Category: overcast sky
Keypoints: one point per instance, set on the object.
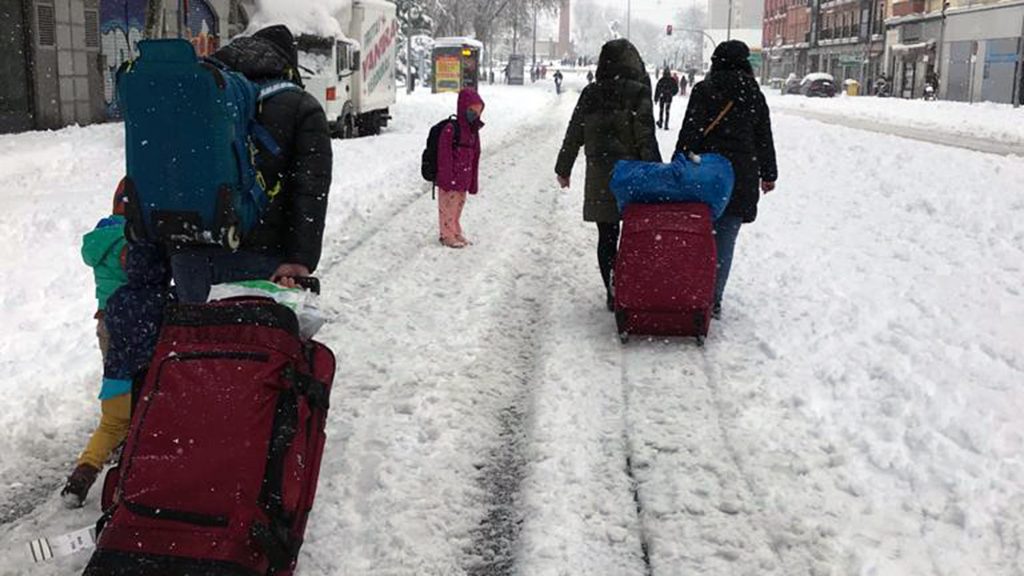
(660, 12)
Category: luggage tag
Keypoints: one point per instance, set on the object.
(45, 549)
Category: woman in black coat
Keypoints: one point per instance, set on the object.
(743, 135)
(613, 121)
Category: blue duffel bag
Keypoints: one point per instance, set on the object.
(709, 181)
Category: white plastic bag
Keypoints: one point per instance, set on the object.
(305, 304)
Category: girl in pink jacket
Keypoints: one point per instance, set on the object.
(458, 164)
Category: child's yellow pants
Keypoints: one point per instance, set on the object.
(113, 428)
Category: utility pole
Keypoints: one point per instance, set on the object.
(534, 33)
(940, 49)
(629, 19)
(867, 37)
(1018, 90)
(728, 30)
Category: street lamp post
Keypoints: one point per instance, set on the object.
(728, 29)
(629, 19)
(534, 33)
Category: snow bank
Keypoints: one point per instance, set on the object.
(1000, 122)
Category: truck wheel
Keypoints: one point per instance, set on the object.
(369, 124)
(345, 128)
(374, 121)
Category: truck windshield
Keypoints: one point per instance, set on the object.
(314, 55)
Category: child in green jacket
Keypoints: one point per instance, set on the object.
(104, 250)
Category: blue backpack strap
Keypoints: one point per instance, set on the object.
(273, 88)
(265, 138)
(258, 131)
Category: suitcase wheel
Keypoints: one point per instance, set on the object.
(624, 337)
(700, 341)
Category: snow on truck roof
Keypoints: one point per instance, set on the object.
(457, 41)
(313, 17)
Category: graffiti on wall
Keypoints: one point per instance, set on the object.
(121, 27)
(201, 27)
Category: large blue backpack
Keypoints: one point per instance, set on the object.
(190, 143)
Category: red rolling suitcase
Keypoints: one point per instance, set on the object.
(220, 467)
(664, 283)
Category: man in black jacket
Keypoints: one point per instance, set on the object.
(743, 135)
(286, 243)
(664, 92)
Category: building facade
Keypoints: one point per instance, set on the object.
(60, 57)
(969, 50)
(786, 37)
(848, 39)
(844, 38)
(913, 37)
(982, 53)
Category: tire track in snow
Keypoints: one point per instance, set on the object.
(697, 508)
(627, 440)
(442, 410)
(723, 415)
(495, 541)
(580, 512)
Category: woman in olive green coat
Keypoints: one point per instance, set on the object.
(613, 120)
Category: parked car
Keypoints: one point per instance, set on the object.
(818, 84)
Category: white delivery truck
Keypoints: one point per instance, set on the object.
(353, 74)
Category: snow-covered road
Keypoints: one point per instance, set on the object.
(856, 411)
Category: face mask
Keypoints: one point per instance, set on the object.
(472, 116)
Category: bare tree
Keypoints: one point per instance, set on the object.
(593, 25)
(692, 21)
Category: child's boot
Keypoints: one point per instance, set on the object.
(78, 484)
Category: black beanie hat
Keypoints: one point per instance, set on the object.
(731, 55)
(281, 38)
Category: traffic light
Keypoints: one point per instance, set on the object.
(668, 30)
